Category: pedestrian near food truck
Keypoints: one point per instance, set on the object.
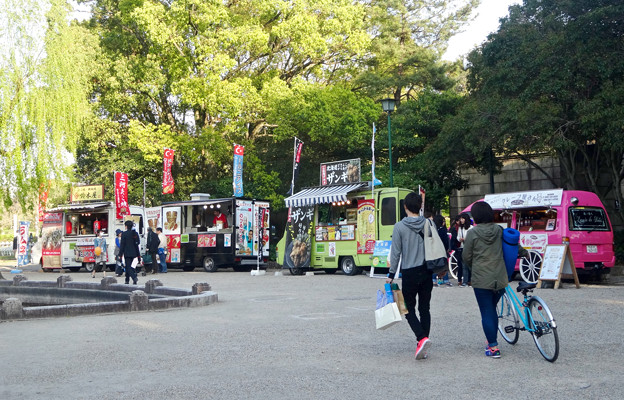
(464, 225)
(118, 263)
(483, 256)
(129, 250)
(101, 254)
(162, 250)
(440, 224)
(152, 248)
(408, 244)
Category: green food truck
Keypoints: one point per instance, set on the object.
(336, 226)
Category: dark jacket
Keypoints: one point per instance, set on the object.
(443, 233)
(129, 246)
(454, 243)
(152, 242)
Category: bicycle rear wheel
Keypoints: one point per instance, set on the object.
(508, 321)
(543, 328)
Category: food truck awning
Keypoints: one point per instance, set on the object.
(82, 206)
(322, 194)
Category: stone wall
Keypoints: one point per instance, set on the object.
(516, 176)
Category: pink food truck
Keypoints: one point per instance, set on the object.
(557, 216)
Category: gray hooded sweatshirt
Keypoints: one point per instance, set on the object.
(407, 242)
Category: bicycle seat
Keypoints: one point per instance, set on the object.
(522, 286)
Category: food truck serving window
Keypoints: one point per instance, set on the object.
(85, 223)
(588, 219)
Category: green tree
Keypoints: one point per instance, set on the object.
(550, 81)
(408, 39)
(199, 76)
(44, 86)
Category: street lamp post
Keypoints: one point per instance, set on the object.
(388, 106)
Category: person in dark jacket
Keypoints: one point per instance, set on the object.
(483, 256)
(408, 245)
(440, 224)
(129, 250)
(152, 248)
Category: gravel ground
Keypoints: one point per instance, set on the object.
(285, 337)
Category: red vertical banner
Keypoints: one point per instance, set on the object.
(168, 184)
(43, 199)
(121, 194)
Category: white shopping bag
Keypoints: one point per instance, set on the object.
(135, 262)
(387, 316)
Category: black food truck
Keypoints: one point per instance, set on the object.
(216, 233)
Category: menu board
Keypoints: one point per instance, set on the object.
(557, 260)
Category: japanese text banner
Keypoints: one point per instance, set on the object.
(168, 183)
(121, 195)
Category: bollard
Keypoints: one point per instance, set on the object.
(12, 308)
(62, 280)
(200, 288)
(139, 301)
(107, 281)
(151, 285)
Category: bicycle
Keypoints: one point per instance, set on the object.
(535, 316)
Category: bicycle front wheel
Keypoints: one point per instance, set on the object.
(543, 328)
(508, 321)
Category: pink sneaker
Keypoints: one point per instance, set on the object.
(421, 349)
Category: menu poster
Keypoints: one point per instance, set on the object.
(298, 250)
(172, 220)
(51, 238)
(208, 240)
(366, 226)
(154, 217)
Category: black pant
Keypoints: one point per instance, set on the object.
(130, 272)
(155, 262)
(460, 264)
(417, 282)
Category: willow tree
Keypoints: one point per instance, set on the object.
(45, 66)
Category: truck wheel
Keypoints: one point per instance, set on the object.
(296, 271)
(347, 265)
(530, 268)
(89, 266)
(210, 265)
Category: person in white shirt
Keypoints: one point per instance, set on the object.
(162, 250)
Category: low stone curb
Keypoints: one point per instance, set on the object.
(85, 298)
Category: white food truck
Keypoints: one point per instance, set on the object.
(68, 233)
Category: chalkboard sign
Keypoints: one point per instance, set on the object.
(588, 219)
(557, 260)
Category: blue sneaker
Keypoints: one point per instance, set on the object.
(493, 352)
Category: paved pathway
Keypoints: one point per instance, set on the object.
(286, 337)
